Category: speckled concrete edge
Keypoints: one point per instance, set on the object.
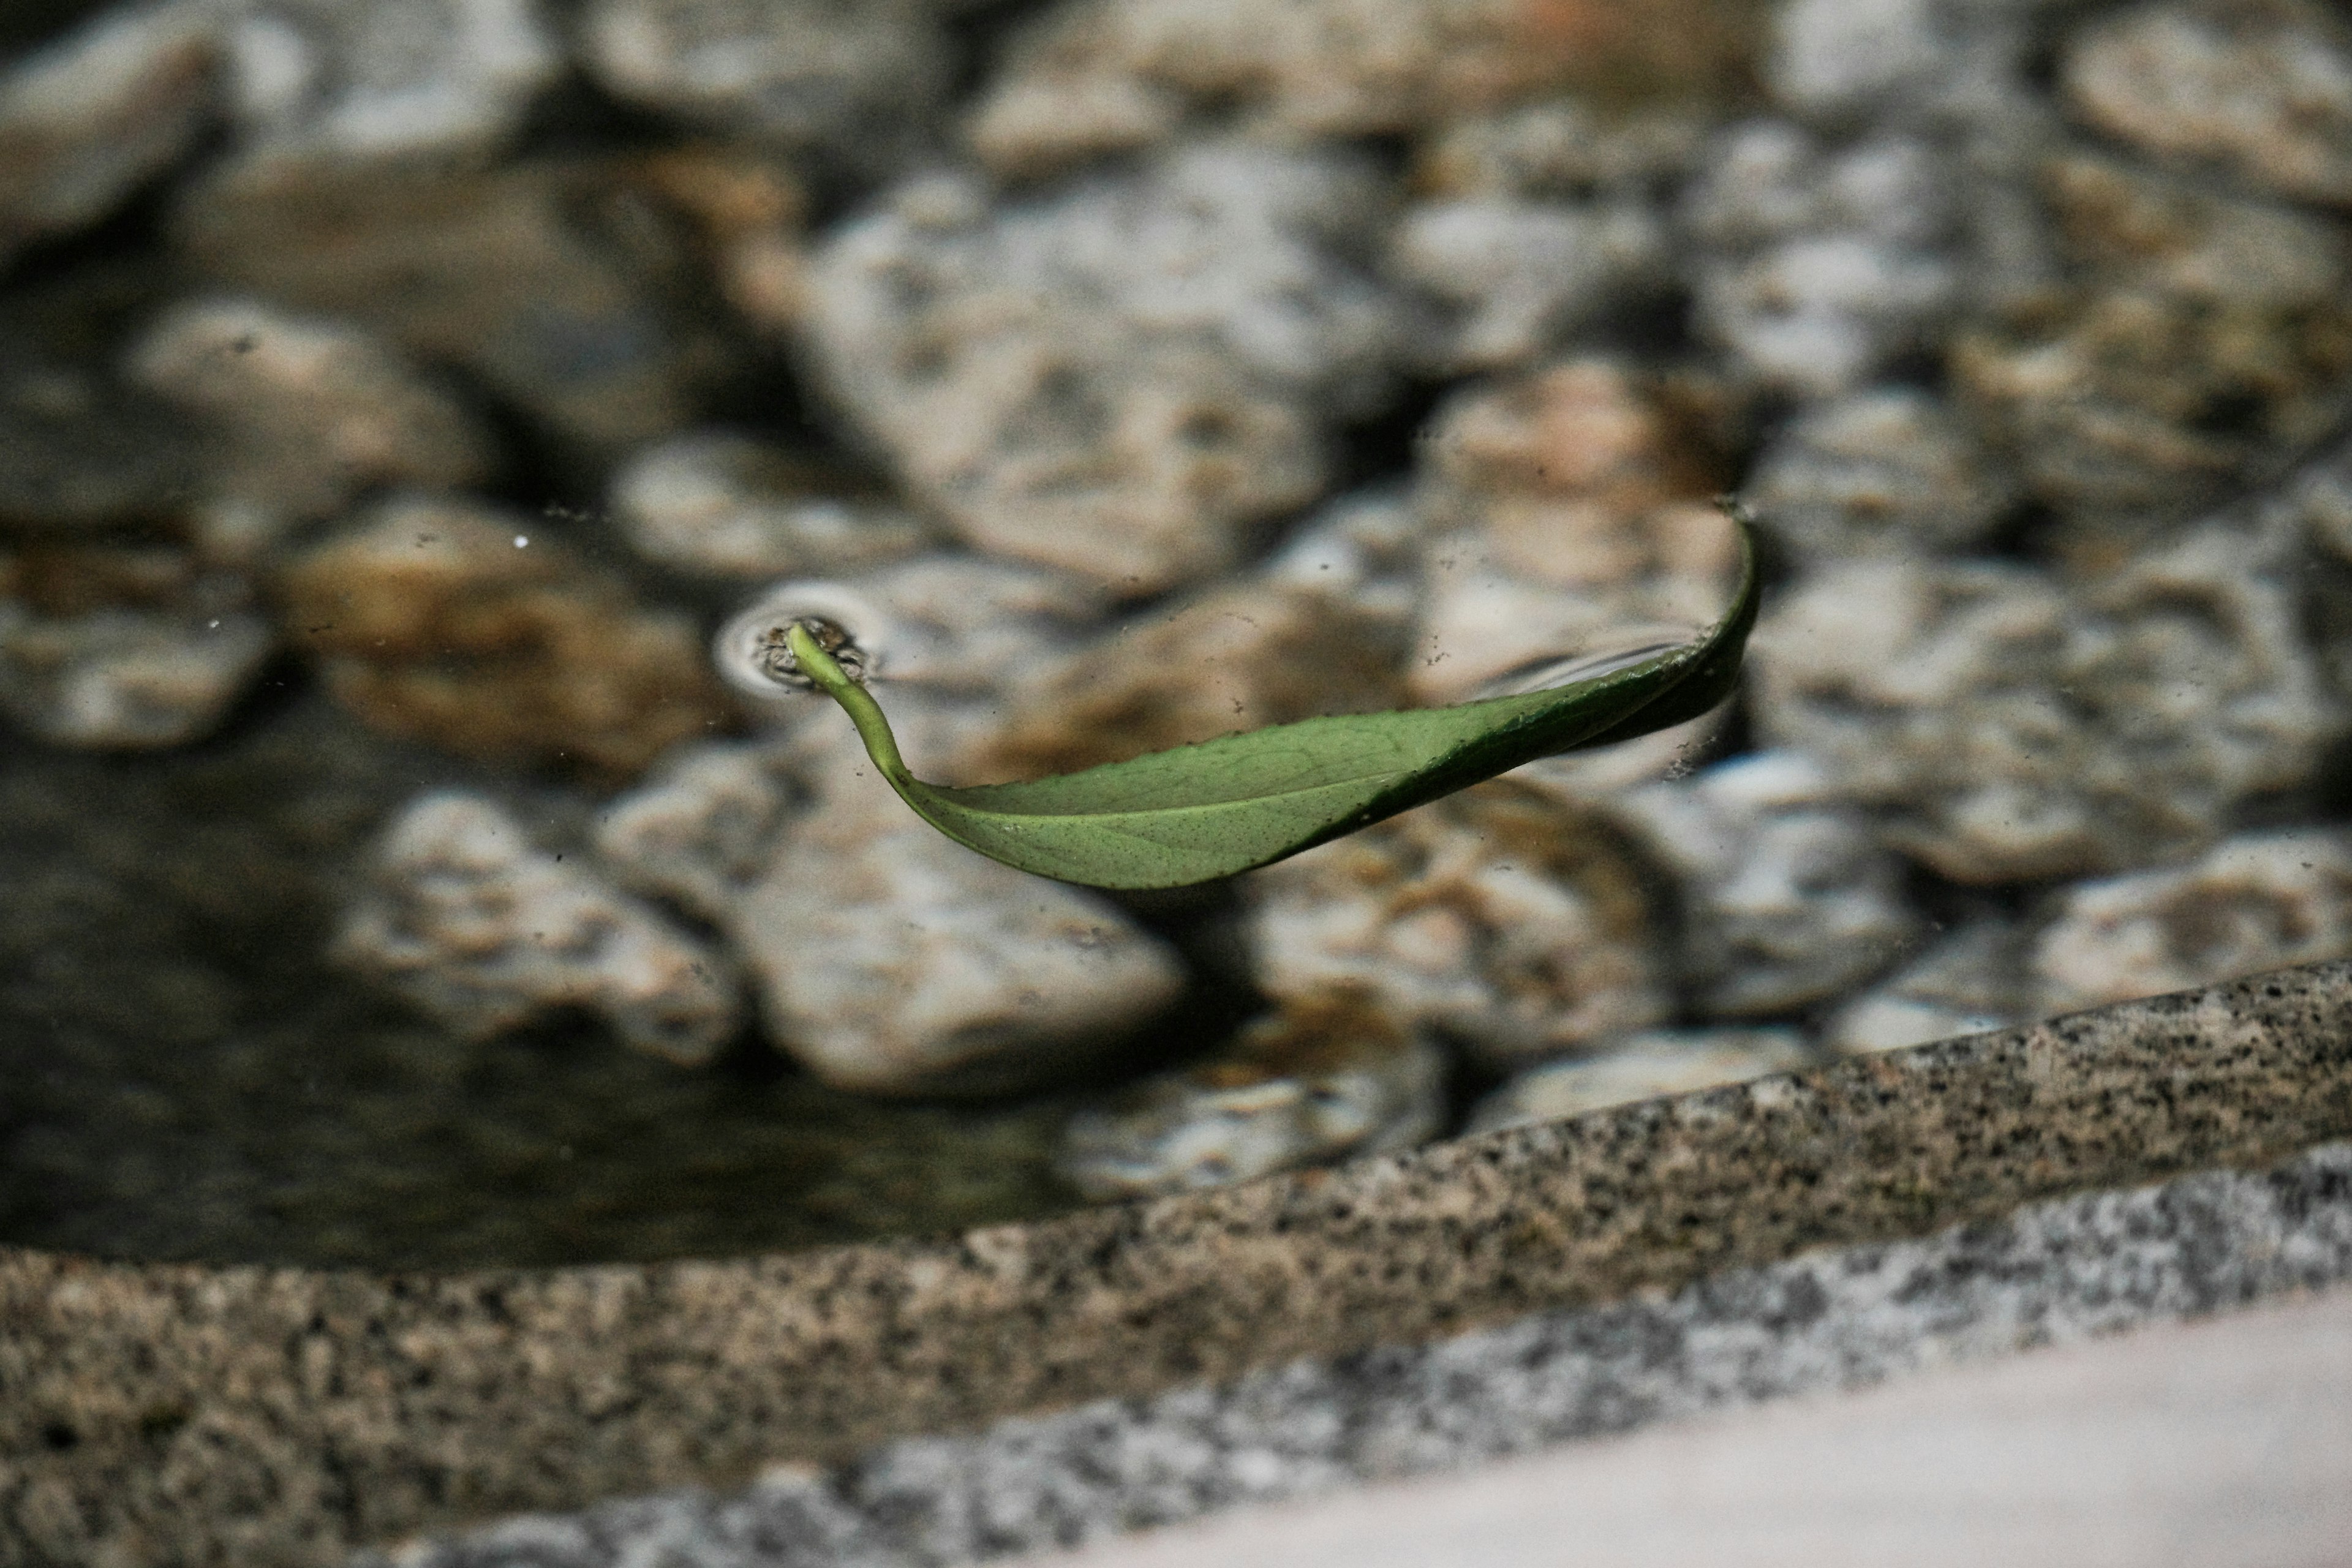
(1830, 1320)
(178, 1413)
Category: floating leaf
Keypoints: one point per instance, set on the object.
(1196, 813)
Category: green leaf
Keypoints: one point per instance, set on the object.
(1196, 813)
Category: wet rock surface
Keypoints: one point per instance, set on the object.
(1786, 896)
(1640, 1067)
(192, 1078)
(2207, 337)
(1115, 379)
(886, 959)
(1885, 471)
(2260, 901)
(1968, 980)
(1235, 658)
(1328, 1076)
(1822, 264)
(557, 283)
(723, 504)
(859, 82)
(1103, 76)
(85, 120)
(2261, 91)
(330, 80)
(472, 629)
(126, 678)
(1562, 511)
(482, 931)
(1509, 919)
(893, 961)
(308, 414)
(467, 386)
(2015, 727)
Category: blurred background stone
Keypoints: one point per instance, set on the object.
(1514, 922)
(1639, 1067)
(1517, 275)
(1562, 508)
(1968, 980)
(117, 678)
(1884, 470)
(2008, 727)
(891, 960)
(1108, 75)
(1239, 656)
(2202, 338)
(1786, 897)
(346, 81)
(950, 633)
(86, 120)
(725, 505)
(462, 624)
(1118, 378)
(2262, 92)
(2254, 902)
(1817, 265)
(564, 285)
(863, 83)
(307, 414)
(472, 923)
(1566, 147)
(703, 827)
(1326, 1077)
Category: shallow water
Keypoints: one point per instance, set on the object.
(183, 1076)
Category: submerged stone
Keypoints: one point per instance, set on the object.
(472, 924)
(2257, 901)
(461, 624)
(1119, 377)
(1640, 1067)
(1514, 921)
(1326, 1077)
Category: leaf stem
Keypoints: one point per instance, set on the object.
(856, 700)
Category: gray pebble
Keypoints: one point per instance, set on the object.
(1515, 277)
(1506, 918)
(85, 119)
(2197, 341)
(306, 412)
(2007, 725)
(1639, 1067)
(891, 960)
(1119, 377)
(344, 80)
(1968, 982)
(1787, 896)
(1889, 469)
(2259, 901)
(468, 922)
(1327, 1078)
(555, 281)
(1818, 265)
(854, 84)
(122, 677)
(703, 826)
(721, 504)
(2261, 91)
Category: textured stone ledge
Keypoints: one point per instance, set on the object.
(182, 1414)
(1836, 1318)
